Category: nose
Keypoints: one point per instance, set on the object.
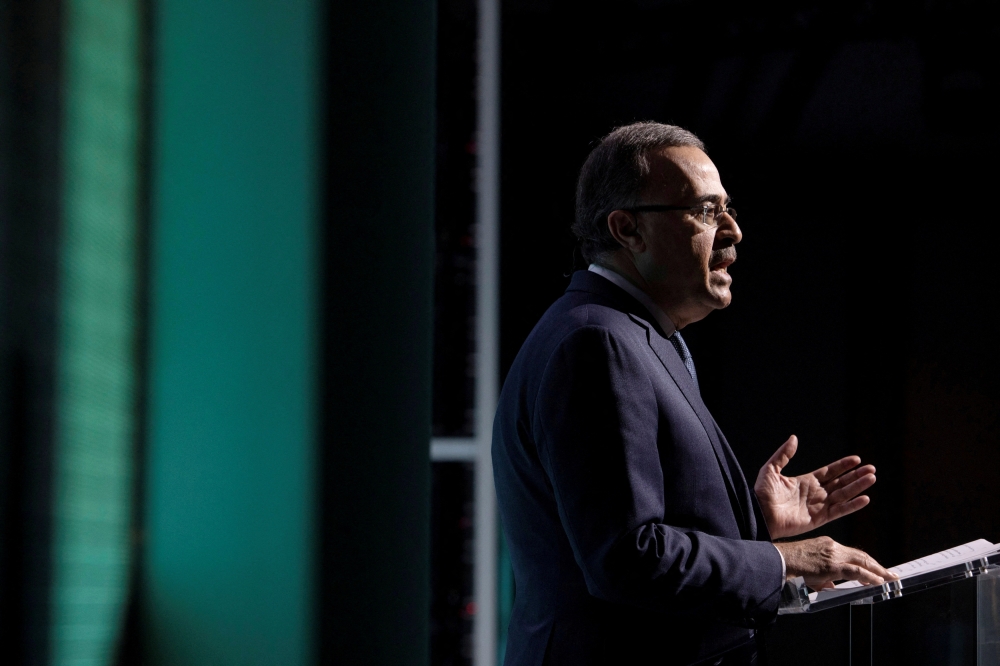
(728, 229)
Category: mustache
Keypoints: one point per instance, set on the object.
(721, 255)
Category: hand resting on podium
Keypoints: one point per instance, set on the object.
(821, 561)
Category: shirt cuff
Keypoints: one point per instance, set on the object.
(783, 570)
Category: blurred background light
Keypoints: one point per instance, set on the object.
(97, 393)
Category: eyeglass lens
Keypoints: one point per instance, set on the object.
(710, 214)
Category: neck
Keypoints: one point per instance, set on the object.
(621, 262)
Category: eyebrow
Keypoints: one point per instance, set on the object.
(714, 198)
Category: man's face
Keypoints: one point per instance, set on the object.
(685, 263)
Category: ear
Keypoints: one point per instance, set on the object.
(624, 227)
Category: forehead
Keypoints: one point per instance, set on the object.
(683, 172)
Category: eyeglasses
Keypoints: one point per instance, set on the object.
(710, 212)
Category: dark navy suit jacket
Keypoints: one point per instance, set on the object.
(632, 531)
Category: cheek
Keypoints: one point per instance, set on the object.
(701, 250)
(682, 257)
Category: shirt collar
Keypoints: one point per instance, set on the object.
(638, 294)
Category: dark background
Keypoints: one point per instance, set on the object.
(857, 141)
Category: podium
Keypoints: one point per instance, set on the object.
(946, 617)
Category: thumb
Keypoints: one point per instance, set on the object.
(784, 453)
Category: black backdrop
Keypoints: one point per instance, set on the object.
(857, 140)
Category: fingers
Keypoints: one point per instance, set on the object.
(862, 567)
(868, 563)
(784, 453)
(835, 469)
(862, 575)
(852, 489)
(848, 477)
(846, 508)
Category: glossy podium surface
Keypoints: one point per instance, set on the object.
(946, 617)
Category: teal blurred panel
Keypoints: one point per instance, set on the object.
(97, 394)
(230, 523)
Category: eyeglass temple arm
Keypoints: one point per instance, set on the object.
(657, 208)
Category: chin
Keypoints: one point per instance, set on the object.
(718, 291)
(717, 285)
(720, 300)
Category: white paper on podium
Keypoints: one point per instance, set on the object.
(946, 558)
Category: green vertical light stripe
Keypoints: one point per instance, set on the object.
(228, 574)
(96, 400)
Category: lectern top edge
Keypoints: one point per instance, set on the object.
(796, 597)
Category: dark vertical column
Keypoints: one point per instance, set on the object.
(862, 637)
(377, 333)
(130, 647)
(30, 56)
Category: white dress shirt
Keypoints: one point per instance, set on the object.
(638, 294)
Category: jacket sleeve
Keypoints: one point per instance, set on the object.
(595, 424)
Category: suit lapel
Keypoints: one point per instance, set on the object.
(736, 485)
(675, 367)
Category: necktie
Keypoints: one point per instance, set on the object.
(682, 351)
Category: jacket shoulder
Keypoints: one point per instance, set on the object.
(571, 312)
(577, 326)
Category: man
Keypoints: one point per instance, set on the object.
(633, 533)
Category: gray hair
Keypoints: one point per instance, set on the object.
(612, 179)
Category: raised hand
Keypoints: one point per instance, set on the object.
(793, 505)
